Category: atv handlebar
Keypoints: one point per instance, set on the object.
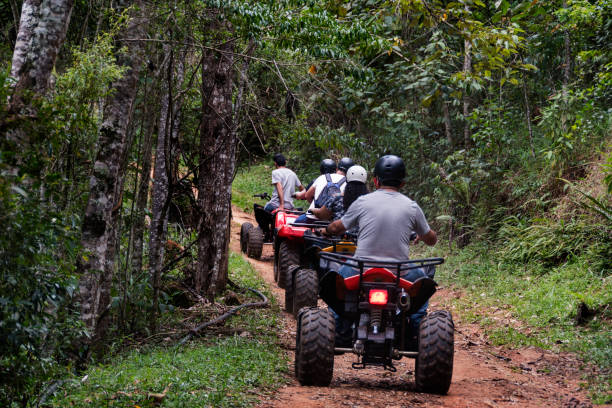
(264, 196)
(311, 225)
(404, 265)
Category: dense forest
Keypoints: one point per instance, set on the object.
(124, 125)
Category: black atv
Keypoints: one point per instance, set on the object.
(253, 238)
(377, 303)
(302, 283)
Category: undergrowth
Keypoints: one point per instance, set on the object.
(214, 370)
(529, 303)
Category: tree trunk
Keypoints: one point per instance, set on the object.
(98, 223)
(142, 197)
(467, 68)
(161, 194)
(528, 116)
(447, 124)
(567, 69)
(42, 30)
(15, 11)
(164, 176)
(217, 163)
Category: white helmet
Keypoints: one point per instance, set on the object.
(356, 173)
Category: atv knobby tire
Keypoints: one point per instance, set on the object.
(314, 347)
(287, 255)
(244, 235)
(434, 364)
(290, 289)
(305, 289)
(255, 243)
(276, 268)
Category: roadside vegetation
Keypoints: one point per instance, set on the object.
(228, 366)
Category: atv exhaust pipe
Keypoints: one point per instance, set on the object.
(404, 300)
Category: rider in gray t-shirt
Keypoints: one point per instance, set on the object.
(285, 181)
(386, 219)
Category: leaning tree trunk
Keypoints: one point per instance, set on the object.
(42, 30)
(161, 194)
(98, 230)
(217, 162)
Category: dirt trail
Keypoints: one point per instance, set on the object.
(483, 375)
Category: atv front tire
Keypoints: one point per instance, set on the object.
(290, 290)
(306, 290)
(434, 364)
(287, 256)
(244, 235)
(255, 243)
(314, 348)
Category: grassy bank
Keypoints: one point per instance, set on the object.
(214, 370)
(527, 304)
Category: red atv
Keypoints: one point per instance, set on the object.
(377, 303)
(273, 228)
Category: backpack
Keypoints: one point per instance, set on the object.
(330, 190)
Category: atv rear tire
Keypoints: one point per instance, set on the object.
(306, 290)
(287, 256)
(314, 347)
(434, 364)
(244, 235)
(255, 243)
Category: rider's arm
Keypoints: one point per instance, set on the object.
(430, 238)
(322, 213)
(335, 228)
(306, 195)
(281, 195)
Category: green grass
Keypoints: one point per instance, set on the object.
(255, 179)
(527, 304)
(214, 370)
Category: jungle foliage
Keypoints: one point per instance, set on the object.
(501, 109)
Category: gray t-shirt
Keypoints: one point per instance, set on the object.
(386, 219)
(289, 180)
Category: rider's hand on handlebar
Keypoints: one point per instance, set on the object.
(321, 232)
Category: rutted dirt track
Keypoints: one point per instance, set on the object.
(483, 376)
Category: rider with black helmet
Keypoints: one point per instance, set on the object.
(344, 164)
(327, 166)
(386, 220)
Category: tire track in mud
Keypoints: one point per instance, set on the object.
(483, 375)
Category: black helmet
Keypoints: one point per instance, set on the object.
(327, 166)
(390, 170)
(345, 163)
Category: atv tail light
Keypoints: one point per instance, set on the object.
(378, 297)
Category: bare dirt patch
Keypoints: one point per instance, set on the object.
(483, 375)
